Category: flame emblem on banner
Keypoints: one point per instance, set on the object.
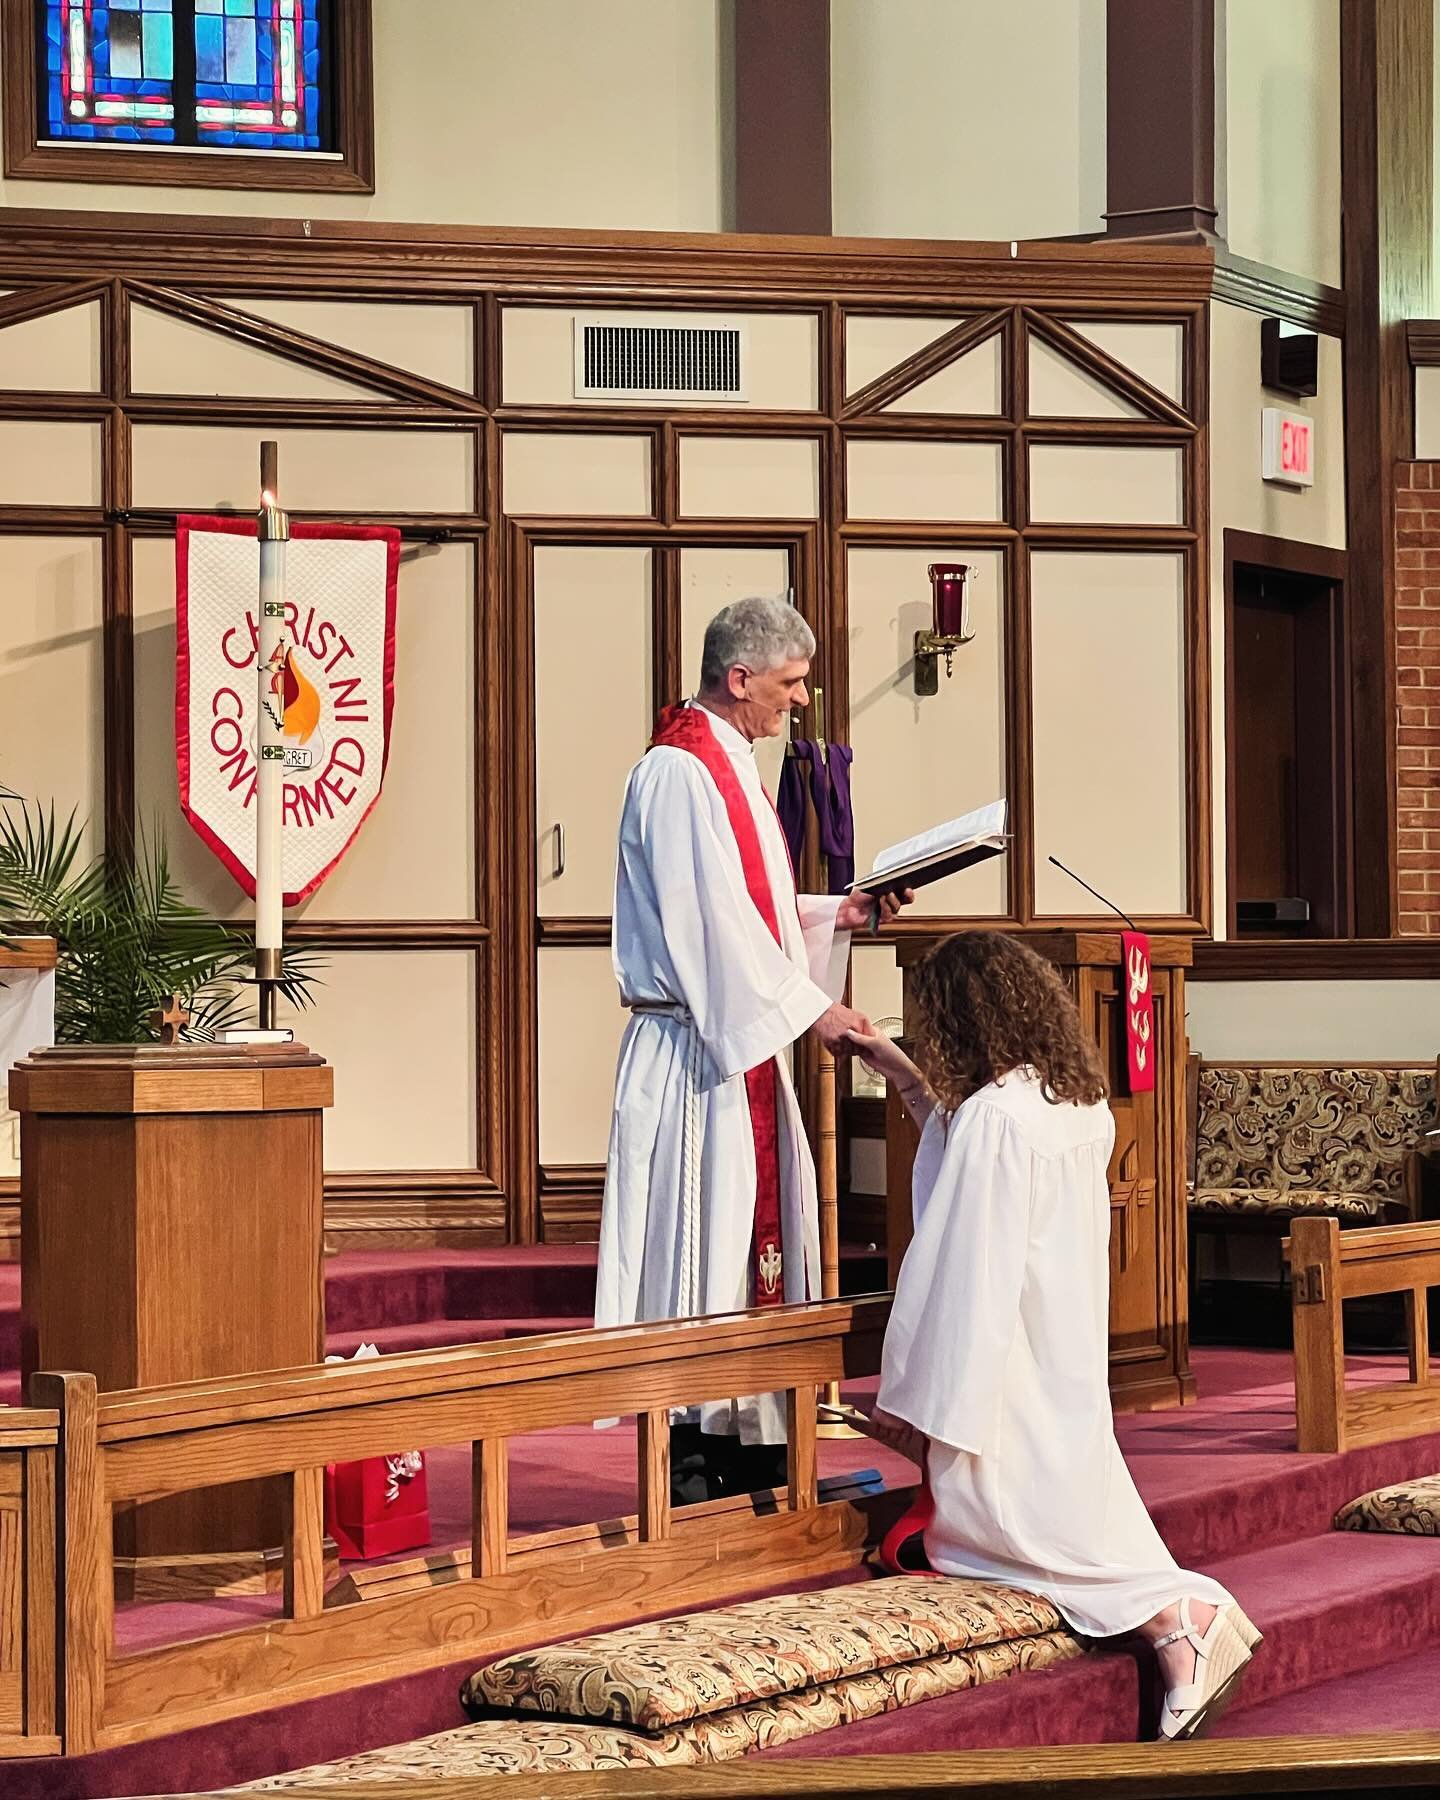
(301, 700)
(1139, 971)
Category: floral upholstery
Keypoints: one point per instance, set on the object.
(1281, 1139)
(511, 1746)
(685, 1668)
(1285, 1203)
(1412, 1507)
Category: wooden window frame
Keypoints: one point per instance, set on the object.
(28, 158)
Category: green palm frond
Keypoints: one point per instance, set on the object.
(126, 936)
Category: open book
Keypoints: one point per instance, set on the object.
(972, 838)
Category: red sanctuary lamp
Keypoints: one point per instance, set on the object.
(950, 627)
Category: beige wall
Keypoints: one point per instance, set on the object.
(968, 118)
(1366, 1021)
(1279, 133)
(565, 113)
(1241, 501)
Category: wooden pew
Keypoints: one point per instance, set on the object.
(147, 1444)
(28, 1532)
(1328, 1267)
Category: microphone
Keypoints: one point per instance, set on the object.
(1095, 891)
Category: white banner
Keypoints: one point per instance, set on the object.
(336, 684)
(27, 1022)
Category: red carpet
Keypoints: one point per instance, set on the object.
(1352, 1622)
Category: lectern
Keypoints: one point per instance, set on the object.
(1149, 1276)
(171, 1223)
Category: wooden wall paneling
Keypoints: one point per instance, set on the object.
(488, 367)
(1199, 703)
(301, 348)
(672, 679)
(935, 356)
(1277, 293)
(1386, 108)
(117, 576)
(495, 756)
(1105, 368)
(360, 257)
(1020, 882)
(518, 898)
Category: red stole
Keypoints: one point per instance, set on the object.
(686, 728)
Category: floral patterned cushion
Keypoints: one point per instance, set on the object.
(1285, 1202)
(1409, 1506)
(512, 1746)
(1340, 1130)
(680, 1669)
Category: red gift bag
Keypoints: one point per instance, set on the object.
(377, 1507)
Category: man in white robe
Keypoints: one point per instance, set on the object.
(718, 984)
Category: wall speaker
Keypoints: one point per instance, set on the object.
(1289, 358)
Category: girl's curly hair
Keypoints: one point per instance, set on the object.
(988, 1004)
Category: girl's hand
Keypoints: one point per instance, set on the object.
(898, 1436)
(885, 1057)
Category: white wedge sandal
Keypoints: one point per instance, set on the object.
(1221, 1657)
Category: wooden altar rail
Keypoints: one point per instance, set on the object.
(1328, 1267)
(29, 1440)
(1371, 1763)
(143, 1445)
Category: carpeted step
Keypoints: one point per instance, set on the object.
(1397, 1696)
(432, 1334)
(373, 1288)
(1329, 1610)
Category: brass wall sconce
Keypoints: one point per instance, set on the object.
(951, 627)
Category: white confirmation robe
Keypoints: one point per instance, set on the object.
(713, 995)
(998, 1351)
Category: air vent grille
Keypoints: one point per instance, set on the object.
(629, 358)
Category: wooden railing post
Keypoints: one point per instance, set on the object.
(800, 1407)
(1315, 1293)
(86, 1560)
(1417, 1333)
(490, 1499)
(653, 1448)
(304, 1567)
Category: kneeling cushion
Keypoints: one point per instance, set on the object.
(1409, 1506)
(499, 1746)
(684, 1668)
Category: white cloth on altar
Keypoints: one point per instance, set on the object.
(678, 1217)
(27, 1022)
(998, 1351)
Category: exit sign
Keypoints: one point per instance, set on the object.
(1287, 447)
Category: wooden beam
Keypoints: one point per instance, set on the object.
(780, 116)
(1160, 119)
(1386, 99)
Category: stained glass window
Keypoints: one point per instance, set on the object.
(208, 74)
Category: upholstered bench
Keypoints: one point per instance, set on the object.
(710, 1687)
(1276, 1140)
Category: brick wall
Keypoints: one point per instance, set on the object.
(1417, 695)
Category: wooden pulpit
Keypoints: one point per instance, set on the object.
(1149, 1276)
(171, 1223)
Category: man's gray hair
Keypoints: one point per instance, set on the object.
(757, 633)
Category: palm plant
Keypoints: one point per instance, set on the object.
(126, 938)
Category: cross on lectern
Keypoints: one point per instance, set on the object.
(170, 1019)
